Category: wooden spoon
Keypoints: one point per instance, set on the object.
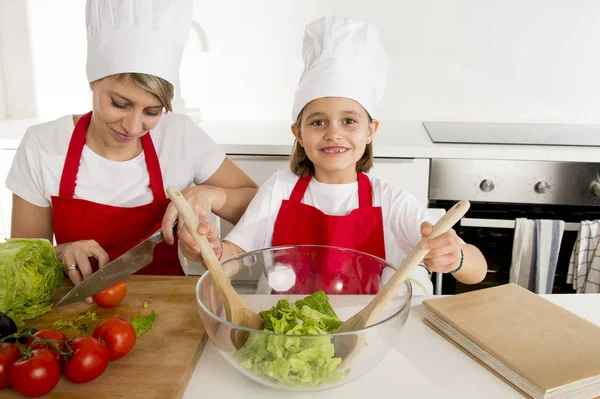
(347, 346)
(236, 310)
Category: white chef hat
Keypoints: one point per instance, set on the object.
(342, 58)
(136, 36)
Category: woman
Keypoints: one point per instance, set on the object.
(97, 181)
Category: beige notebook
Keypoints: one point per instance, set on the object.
(540, 348)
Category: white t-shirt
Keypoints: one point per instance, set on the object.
(402, 217)
(187, 155)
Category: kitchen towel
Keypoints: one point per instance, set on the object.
(536, 246)
(584, 265)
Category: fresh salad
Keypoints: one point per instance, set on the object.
(295, 361)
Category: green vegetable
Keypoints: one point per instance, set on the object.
(145, 304)
(295, 361)
(60, 324)
(29, 272)
(88, 315)
(142, 324)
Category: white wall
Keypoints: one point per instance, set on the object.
(16, 83)
(469, 60)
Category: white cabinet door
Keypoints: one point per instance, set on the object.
(6, 158)
(408, 174)
(259, 168)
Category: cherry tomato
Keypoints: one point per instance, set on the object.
(53, 335)
(111, 296)
(9, 354)
(35, 376)
(88, 362)
(118, 334)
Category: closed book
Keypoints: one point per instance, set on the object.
(538, 347)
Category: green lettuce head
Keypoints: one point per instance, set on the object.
(29, 272)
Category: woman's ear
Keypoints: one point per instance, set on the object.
(373, 126)
(296, 132)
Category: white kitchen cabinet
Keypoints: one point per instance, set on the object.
(6, 158)
(409, 174)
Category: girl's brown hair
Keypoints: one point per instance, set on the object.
(301, 165)
(159, 87)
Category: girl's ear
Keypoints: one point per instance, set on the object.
(296, 132)
(373, 126)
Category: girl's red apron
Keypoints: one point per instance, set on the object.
(114, 228)
(361, 229)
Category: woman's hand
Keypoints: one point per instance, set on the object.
(75, 257)
(444, 255)
(191, 249)
(202, 199)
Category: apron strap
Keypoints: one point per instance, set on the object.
(365, 195)
(156, 181)
(300, 188)
(73, 160)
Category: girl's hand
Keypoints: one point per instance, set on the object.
(191, 249)
(202, 199)
(75, 257)
(444, 255)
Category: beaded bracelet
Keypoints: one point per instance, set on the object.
(462, 258)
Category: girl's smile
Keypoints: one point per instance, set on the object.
(334, 132)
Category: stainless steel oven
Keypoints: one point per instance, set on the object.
(501, 191)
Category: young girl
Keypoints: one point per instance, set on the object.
(327, 198)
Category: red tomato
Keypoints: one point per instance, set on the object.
(53, 335)
(35, 376)
(111, 296)
(9, 354)
(88, 362)
(118, 334)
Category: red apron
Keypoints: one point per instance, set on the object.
(361, 229)
(116, 229)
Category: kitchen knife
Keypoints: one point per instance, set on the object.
(121, 267)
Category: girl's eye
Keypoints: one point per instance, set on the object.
(349, 121)
(119, 106)
(317, 123)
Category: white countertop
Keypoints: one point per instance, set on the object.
(395, 139)
(423, 365)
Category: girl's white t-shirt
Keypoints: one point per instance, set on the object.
(402, 217)
(187, 155)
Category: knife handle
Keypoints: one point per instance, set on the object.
(191, 222)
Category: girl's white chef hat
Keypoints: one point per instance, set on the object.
(138, 36)
(342, 58)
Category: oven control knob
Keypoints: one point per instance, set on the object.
(541, 187)
(595, 188)
(486, 185)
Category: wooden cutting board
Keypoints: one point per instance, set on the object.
(162, 360)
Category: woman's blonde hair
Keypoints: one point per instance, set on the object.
(301, 165)
(160, 88)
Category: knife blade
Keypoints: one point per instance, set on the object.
(116, 270)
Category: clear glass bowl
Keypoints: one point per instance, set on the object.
(349, 278)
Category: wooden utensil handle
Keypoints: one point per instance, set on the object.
(445, 223)
(192, 223)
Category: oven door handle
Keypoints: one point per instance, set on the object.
(503, 224)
